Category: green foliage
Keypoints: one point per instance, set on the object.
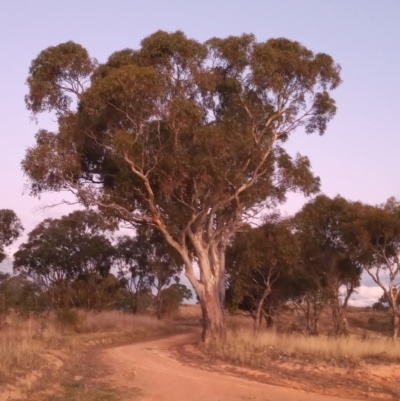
(172, 297)
(307, 259)
(58, 250)
(376, 240)
(379, 306)
(51, 70)
(327, 254)
(182, 136)
(184, 293)
(21, 295)
(145, 300)
(100, 293)
(146, 261)
(260, 263)
(132, 270)
(377, 234)
(4, 301)
(328, 258)
(10, 229)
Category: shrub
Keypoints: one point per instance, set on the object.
(379, 306)
(67, 317)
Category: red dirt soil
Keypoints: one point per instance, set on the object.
(154, 371)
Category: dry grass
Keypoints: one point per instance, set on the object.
(24, 343)
(241, 346)
(190, 311)
(118, 322)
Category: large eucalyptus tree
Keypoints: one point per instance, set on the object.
(184, 136)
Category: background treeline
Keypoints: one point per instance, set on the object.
(308, 262)
(77, 262)
(314, 260)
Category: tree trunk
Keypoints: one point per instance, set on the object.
(257, 322)
(339, 310)
(259, 310)
(396, 323)
(312, 313)
(134, 302)
(339, 317)
(159, 305)
(269, 321)
(336, 318)
(213, 314)
(222, 261)
(210, 286)
(344, 324)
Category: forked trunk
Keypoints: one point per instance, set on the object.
(210, 287)
(339, 310)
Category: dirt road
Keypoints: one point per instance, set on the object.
(151, 368)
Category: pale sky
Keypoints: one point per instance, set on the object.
(358, 157)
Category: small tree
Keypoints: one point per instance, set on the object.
(59, 250)
(4, 295)
(106, 292)
(377, 240)
(94, 263)
(26, 297)
(257, 259)
(180, 135)
(132, 265)
(21, 295)
(172, 298)
(164, 264)
(329, 264)
(10, 229)
(151, 262)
